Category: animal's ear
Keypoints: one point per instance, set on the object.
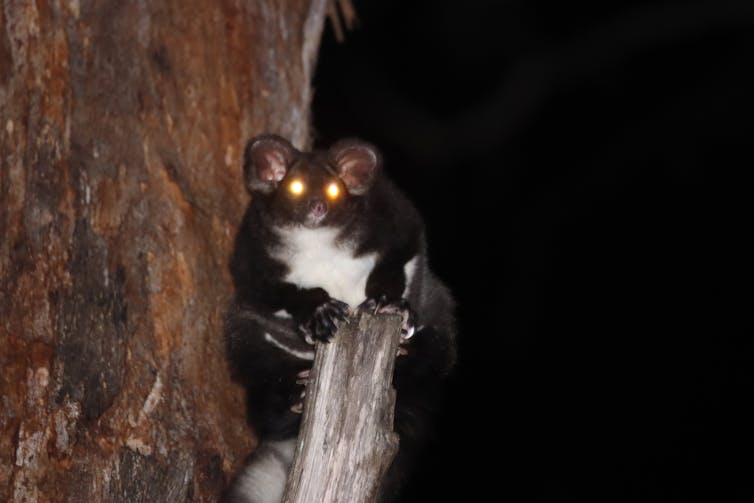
(265, 161)
(356, 163)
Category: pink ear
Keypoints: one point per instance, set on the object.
(266, 160)
(356, 163)
(272, 166)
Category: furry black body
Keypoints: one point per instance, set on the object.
(326, 232)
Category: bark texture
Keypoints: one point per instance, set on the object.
(121, 130)
(346, 442)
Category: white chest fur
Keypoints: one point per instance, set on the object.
(315, 259)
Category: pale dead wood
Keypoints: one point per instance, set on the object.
(341, 12)
(346, 441)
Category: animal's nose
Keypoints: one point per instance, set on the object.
(317, 207)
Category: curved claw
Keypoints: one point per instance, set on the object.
(371, 305)
(302, 379)
(401, 306)
(383, 305)
(323, 323)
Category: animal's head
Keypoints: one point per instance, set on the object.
(309, 188)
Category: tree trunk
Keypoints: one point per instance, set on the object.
(346, 441)
(121, 130)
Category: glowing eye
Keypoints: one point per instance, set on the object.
(296, 187)
(333, 190)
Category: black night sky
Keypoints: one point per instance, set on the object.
(585, 171)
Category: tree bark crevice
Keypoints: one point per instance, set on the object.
(121, 134)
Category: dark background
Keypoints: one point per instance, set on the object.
(585, 174)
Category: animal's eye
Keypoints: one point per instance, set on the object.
(296, 187)
(333, 190)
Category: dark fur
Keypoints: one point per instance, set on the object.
(380, 220)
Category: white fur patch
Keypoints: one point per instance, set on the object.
(283, 314)
(304, 355)
(409, 270)
(263, 480)
(316, 260)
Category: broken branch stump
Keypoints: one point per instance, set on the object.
(346, 441)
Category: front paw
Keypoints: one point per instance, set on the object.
(323, 322)
(401, 307)
(302, 379)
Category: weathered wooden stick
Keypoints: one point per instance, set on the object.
(346, 441)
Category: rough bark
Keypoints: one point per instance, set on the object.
(121, 130)
(346, 441)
